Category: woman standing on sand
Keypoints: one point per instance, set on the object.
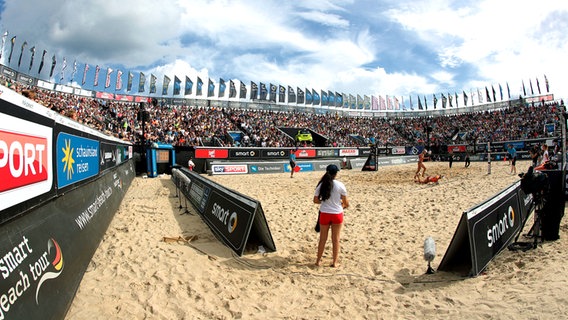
(421, 165)
(332, 197)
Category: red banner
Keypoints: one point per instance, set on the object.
(211, 153)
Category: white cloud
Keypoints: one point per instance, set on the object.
(337, 45)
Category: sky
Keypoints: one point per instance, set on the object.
(402, 48)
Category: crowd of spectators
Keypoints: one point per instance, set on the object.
(196, 126)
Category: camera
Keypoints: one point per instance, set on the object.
(534, 182)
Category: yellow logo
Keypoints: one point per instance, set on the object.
(68, 159)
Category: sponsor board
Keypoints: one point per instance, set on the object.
(108, 156)
(45, 253)
(493, 225)
(229, 168)
(327, 153)
(305, 153)
(77, 159)
(230, 218)
(266, 168)
(365, 151)
(398, 150)
(199, 195)
(304, 166)
(486, 229)
(322, 165)
(243, 153)
(348, 152)
(278, 153)
(457, 148)
(25, 160)
(357, 163)
(211, 153)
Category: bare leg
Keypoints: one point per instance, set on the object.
(324, 231)
(335, 235)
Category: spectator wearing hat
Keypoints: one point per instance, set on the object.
(331, 195)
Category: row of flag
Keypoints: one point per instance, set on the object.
(272, 92)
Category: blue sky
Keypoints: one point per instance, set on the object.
(398, 47)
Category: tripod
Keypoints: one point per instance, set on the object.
(535, 231)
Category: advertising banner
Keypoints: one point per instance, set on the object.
(229, 168)
(266, 168)
(42, 151)
(45, 253)
(211, 153)
(230, 218)
(493, 225)
(327, 153)
(25, 160)
(349, 152)
(243, 153)
(275, 153)
(485, 230)
(77, 159)
(235, 218)
(305, 153)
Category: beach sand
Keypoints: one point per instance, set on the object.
(135, 274)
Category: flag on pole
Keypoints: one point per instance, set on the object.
(222, 88)
(22, 53)
(107, 81)
(13, 41)
(210, 88)
(291, 95)
(242, 91)
(232, 89)
(41, 63)
(546, 84)
(501, 91)
(165, 85)
(74, 70)
(253, 91)
(199, 89)
(63, 69)
(130, 80)
(85, 74)
(281, 93)
(53, 63)
(118, 85)
(142, 82)
(3, 43)
(177, 85)
(153, 80)
(97, 71)
(32, 50)
(188, 86)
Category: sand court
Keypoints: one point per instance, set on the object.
(158, 261)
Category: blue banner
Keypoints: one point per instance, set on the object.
(77, 159)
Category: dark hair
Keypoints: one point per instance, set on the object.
(326, 185)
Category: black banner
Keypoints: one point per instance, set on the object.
(485, 230)
(230, 215)
(45, 253)
(243, 153)
(275, 153)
